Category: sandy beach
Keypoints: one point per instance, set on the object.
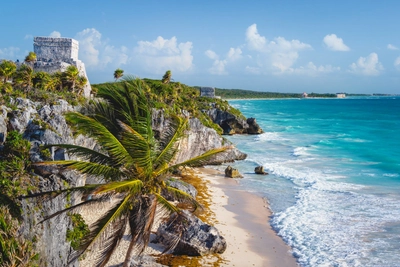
(242, 218)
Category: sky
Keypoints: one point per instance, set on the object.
(276, 46)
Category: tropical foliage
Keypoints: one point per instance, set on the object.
(167, 77)
(31, 57)
(118, 73)
(133, 164)
(7, 70)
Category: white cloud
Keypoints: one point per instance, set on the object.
(28, 36)
(369, 66)
(9, 52)
(279, 54)
(96, 53)
(219, 66)
(312, 70)
(211, 54)
(397, 63)
(164, 54)
(335, 43)
(392, 47)
(55, 34)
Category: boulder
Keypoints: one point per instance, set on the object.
(232, 173)
(197, 239)
(260, 170)
(181, 185)
(253, 128)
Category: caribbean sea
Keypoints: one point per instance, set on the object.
(334, 176)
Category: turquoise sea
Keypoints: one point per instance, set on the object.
(334, 183)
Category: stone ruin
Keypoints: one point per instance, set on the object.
(56, 54)
(207, 92)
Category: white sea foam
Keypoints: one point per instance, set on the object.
(300, 151)
(268, 136)
(391, 174)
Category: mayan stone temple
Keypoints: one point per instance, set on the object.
(56, 54)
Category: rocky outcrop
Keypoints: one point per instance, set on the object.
(260, 170)
(181, 185)
(232, 124)
(198, 139)
(143, 261)
(232, 173)
(198, 238)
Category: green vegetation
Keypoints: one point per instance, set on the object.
(14, 181)
(134, 164)
(118, 73)
(247, 94)
(167, 77)
(79, 231)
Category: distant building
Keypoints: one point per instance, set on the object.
(304, 95)
(207, 92)
(340, 95)
(56, 54)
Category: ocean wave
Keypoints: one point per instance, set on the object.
(391, 174)
(336, 228)
(300, 151)
(268, 136)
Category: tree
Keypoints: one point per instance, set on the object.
(24, 77)
(71, 76)
(42, 80)
(7, 70)
(30, 58)
(132, 162)
(167, 77)
(118, 73)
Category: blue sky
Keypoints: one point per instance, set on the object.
(281, 46)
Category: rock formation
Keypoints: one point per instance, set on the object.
(260, 170)
(232, 124)
(198, 238)
(232, 173)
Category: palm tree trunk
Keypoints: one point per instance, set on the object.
(129, 253)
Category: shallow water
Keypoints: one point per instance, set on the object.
(334, 183)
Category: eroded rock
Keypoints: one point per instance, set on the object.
(198, 238)
(232, 172)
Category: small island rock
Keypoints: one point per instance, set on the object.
(232, 173)
(260, 170)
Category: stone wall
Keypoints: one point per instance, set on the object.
(55, 49)
(207, 91)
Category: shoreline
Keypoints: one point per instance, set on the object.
(243, 219)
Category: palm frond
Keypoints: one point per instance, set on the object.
(184, 197)
(133, 186)
(109, 173)
(84, 152)
(101, 225)
(165, 204)
(87, 189)
(137, 147)
(102, 135)
(112, 241)
(169, 138)
(200, 160)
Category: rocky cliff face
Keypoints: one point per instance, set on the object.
(43, 125)
(232, 124)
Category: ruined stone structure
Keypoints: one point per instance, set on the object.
(56, 54)
(207, 91)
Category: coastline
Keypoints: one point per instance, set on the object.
(242, 218)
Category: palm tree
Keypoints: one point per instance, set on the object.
(71, 76)
(42, 80)
(132, 162)
(167, 77)
(30, 58)
(7, 70)
(118, 73)
(24, 77)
